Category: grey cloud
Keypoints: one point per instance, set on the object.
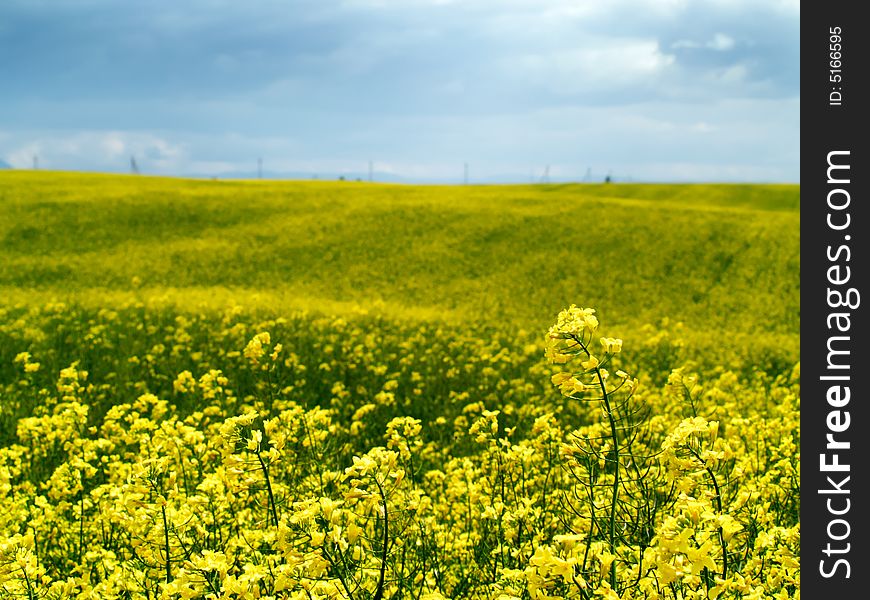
(410, 81)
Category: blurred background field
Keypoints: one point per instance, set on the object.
(719, 258)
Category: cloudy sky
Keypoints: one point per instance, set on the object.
(647, 90)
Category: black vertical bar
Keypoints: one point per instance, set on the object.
(834, 224)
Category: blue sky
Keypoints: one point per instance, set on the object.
(651, 90)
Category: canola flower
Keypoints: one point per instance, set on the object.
(234, 455)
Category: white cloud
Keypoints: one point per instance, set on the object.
(699, 171)
(719, 41)
(114, 145)
(785, 6)
(23, 156)
(730, 76)
(601, 63)
(99, 150)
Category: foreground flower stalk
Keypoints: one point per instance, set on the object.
(569, 340)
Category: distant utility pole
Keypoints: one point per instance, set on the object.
(35, 163)
(134, 168)
(545, 178)
(588, 177)
(465, 174)
(260, 168)
(371, 171)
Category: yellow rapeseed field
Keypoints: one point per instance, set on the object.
(317, 390)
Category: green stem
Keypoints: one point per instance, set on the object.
(272, 508)
(166, 543)
(612, 421)
(340, 573)
(719, 508)
(30, 594)
(379, 594)
(82, 508)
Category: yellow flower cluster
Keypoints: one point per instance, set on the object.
(235, 456)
